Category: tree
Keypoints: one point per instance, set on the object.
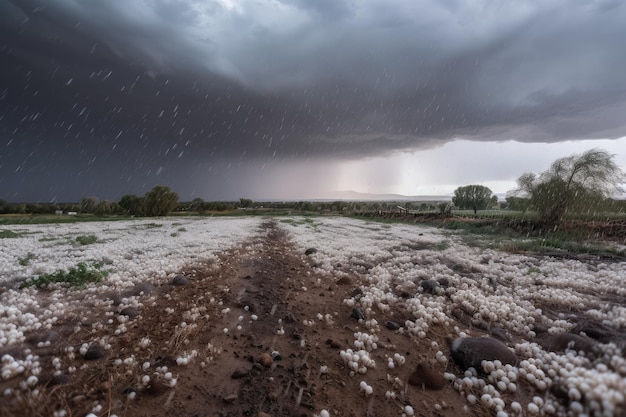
(132, 205)
(89, 204)
(475, 197)
(572, 184)
(160, 201)
(245, 202)
(197, 204)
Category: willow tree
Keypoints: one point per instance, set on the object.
(160, 201)
(572, 184)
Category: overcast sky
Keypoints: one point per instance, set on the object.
(295, 99)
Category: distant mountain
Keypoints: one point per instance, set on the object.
(357, 196)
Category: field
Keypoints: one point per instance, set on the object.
(301, 316)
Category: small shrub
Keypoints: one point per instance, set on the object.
(443, 245)
(76, 277)
(4, 234)
(26, 259)
(87, 239)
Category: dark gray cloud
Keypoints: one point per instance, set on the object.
(116, 92)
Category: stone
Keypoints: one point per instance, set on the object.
(265, 360)
(357, 314)
(472, 351)
(239, 373)
(60, 379)
(344, 281)
(130, 312)
(426, 376)
(429, 286)
(95, 352)
(392, 325)
(310, 251)
(180, 280)
(230, 398)
(143, 288)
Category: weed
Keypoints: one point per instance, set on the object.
(443, 245)
(4, 234)
(86, 239)
(26, 259)
(182, 229)
(174, 234)
(47, 239)
(76, 277)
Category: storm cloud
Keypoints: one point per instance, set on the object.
(121, 92)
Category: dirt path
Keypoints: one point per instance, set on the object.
(257, 332)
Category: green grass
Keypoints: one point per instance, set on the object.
(8, 234)
(77, 277)
(443, 245)
(54, 219)
(86, 239)
(26, 259)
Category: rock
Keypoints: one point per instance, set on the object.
(229, 399)
(429, 286)
(344, 281)
(392, 325)
(310, 251)
(276, 356)
(426, 376)
(239, 373)
(357, 314)
(471, 351)
(60, 379)
(130, 312)
(265, 360)
(143, 288)
(559, 343)
(444, 282)
(333, 344)
(180, 280)
(95, 352)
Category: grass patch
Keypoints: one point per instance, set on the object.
(8, 234)
(26, 259)
(77, 277)
(86, 239)
(443, 245)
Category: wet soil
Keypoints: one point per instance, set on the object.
(266, 329)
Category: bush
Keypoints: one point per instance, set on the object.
(77, 277)
(87, 239)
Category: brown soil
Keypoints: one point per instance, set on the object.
(234, 373)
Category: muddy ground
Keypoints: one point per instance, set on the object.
(283, 360)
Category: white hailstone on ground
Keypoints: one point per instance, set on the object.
(408, 410)
(533, 408)
(324, 413)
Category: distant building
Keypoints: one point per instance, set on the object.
(58, 212)
(72, 213)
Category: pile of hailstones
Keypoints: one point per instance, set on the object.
(579, 385)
